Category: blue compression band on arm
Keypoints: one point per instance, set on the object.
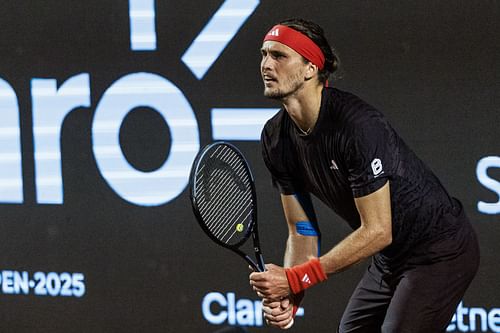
(311, 227)
(305, 228)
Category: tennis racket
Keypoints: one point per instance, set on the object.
(224, 200)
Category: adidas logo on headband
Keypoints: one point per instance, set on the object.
(297, 41)
(274, 32)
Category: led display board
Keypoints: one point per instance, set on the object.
(104, 104)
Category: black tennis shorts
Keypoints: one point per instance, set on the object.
(423, 296)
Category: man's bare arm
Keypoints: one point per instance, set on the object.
(299, 248)
(374, 234)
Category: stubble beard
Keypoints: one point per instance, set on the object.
(293, 84)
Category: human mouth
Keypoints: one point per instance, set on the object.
(269, 79)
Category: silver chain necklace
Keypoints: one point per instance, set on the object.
(304, 133)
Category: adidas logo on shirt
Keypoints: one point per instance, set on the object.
(334, 166)
(306, 279)
(275, 32)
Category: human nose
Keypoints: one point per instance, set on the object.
(265, 62)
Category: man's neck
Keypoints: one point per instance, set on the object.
(303, 106)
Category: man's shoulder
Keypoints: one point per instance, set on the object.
(274, 124)
(352, 111)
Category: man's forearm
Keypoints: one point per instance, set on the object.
(300, 249)
(374, 234)
(360, 244)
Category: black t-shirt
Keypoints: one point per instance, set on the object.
(351, 152)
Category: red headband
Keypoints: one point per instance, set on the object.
(302, 44)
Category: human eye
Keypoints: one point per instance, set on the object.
(278, 55)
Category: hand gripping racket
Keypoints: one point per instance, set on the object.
(223, 199)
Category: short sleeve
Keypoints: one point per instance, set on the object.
(274, 156)
(372, 155)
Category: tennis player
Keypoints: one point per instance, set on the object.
(333, 145)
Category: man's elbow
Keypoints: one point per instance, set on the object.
(383, 237)
(386, 238)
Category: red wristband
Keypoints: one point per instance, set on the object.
(306, 275)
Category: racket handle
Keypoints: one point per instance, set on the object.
(290, 324)
(261, 263)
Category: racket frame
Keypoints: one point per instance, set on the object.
(258, 264)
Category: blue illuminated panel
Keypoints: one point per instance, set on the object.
(142, 25)
(11, 182)
(490, 183)
(217, 34)
(50, 106)
(239, 124)
(218, 308)
(153, 91)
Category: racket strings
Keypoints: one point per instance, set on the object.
(223, 232)
(221, 227)
(216, 221)
(234, 229)
(207, 179)
(232, 196)
(208, 167)
(215, 206)
(211, 176)
(224, 195)
(218, 218)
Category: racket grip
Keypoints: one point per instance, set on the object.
(290, 324)
(261, 263)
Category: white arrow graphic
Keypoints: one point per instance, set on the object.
(219, 31)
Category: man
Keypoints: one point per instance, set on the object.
(333, 145)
